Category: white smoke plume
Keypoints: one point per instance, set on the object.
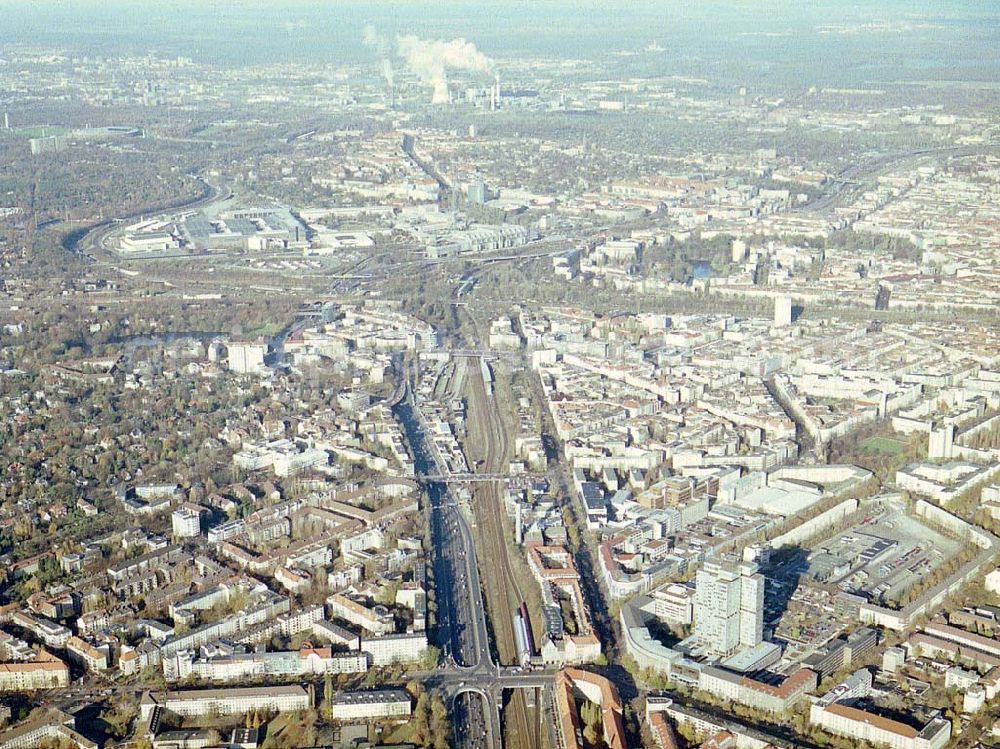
(429, 59)
(383, 47)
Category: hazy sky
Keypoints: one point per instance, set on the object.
(855, 39)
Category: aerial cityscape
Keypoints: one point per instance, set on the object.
(523, 375)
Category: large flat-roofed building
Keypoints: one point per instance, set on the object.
(284, 457)
(44, 672)
(269, 227)
(774, 699)
(674, 603)
(861, 644)
(237, 666)
(401, 648)
(143, 242)
(197, 702)
(944, 481)
(678, 491)
(381, 703)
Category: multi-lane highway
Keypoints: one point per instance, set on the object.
(463, 633)
(462, 630)
(472, 681)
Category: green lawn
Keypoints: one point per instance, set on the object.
(884, 445)
(41, 131)
(267, 330)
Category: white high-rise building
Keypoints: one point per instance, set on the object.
(941, 443)
(186, 522)
(751, 606)
(247, 358)
(729, 607)
(782, 311)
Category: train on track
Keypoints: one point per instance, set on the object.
(522, 635)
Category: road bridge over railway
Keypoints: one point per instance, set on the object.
(463, 631)
(479, 478)
(483, 354)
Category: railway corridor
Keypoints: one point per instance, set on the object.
(488, 448)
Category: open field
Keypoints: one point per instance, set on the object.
(41, 131)
(883, 445)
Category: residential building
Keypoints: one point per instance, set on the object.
(186, 521)
(45, 671)
(836, 712)
(198, 702)
(52, 634)
(246, 358)
(402, 648)
(91, 657)
(855, 723)
(573, 684)
(376, 620)
(250, 665)
(50, 725)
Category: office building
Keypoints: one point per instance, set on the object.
(861, 645)
(729, 607)
(674, 604)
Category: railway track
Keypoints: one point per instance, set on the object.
(491, 435)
